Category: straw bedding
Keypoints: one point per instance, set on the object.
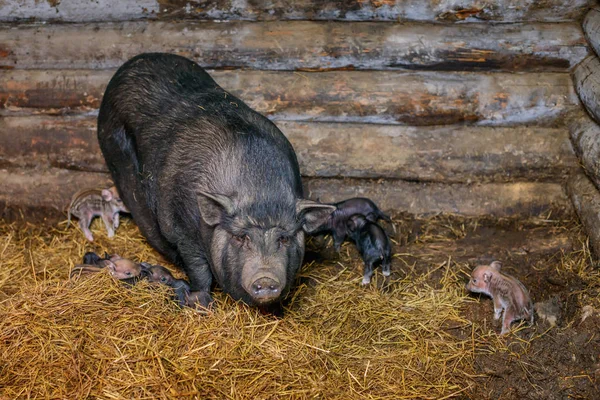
(95, 337)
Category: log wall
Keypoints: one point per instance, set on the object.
(424, 106)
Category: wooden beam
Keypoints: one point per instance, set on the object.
(591, 28)
(352, 10)
(586, 77)
(585, 135)
(586, 201)
(407, 98)
(52, 189)
(299, 45)
(444, 154)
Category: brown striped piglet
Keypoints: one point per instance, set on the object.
(508, 293)
(89, 203)
(159, 274)
(372, 243)
(336, 224)
(120, 268)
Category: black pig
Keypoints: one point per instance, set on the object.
(336, 224)
(213, 186)
(159, 274)
(373, 245)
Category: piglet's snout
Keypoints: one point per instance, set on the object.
(266, 288)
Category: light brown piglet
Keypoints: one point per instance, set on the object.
(508, 293)
(89, 203)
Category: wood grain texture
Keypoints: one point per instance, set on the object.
(299, 45)
(586, 77)
(52, 189)
(586, 202)
(585, 135)
(352, 10)
(444, 154)
(406, 98)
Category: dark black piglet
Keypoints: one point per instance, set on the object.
(373, 245)
(336, 224)
(159, 274)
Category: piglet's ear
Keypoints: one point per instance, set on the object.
(487, 277)
(212, 206)
(496, 265)
(107, 195)
(312, 214)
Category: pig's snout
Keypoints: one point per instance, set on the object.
(266, 288)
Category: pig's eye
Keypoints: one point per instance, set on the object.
(474, 280)
(283, 240)
(163, 279)
(241, 240)
(128, 273)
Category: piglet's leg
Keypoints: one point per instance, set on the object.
(108, 222)
(509, 317)
(84, 223)
(386, 267)
(116, 221)
(367, 273)
(337, 242)
(497, 308)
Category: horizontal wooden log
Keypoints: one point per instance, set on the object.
(591, 29)
(445, 154)
(54, 188)
(586, 202)
(585, 135)
(299, 45)
(412, 98)
(353, 10)
(586, 77)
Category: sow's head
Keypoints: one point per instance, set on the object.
(258, 247)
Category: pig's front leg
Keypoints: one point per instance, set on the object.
(108, 223)
(497, 308)
(199, 273)
(115, 221)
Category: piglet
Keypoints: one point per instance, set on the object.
(372, 243)
(159, 274)
(89, 203)
(120, 268)
(508, 293)
(336, 224)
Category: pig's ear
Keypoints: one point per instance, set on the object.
(213, 205)
(487, 277)
(312, 214)
(107, 194)
(496, 265)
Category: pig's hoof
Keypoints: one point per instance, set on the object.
(386, 273)
(366, 280)
(200, 299)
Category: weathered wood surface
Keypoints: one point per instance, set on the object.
(501, 199)
(298, 45)
(586, 201)
(54, 188)
(591, 28)
(353, 10)
(586, 77)
(585, 135)
(445, 154)
(412, 98)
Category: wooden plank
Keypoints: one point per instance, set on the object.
(412, 98)
(585, 135)
(352, 10)
(586, 77)
(53, 189)
(299, 45)
(586, 201)
(591, 29)
(445, 154)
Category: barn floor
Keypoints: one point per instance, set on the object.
(417, 336)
